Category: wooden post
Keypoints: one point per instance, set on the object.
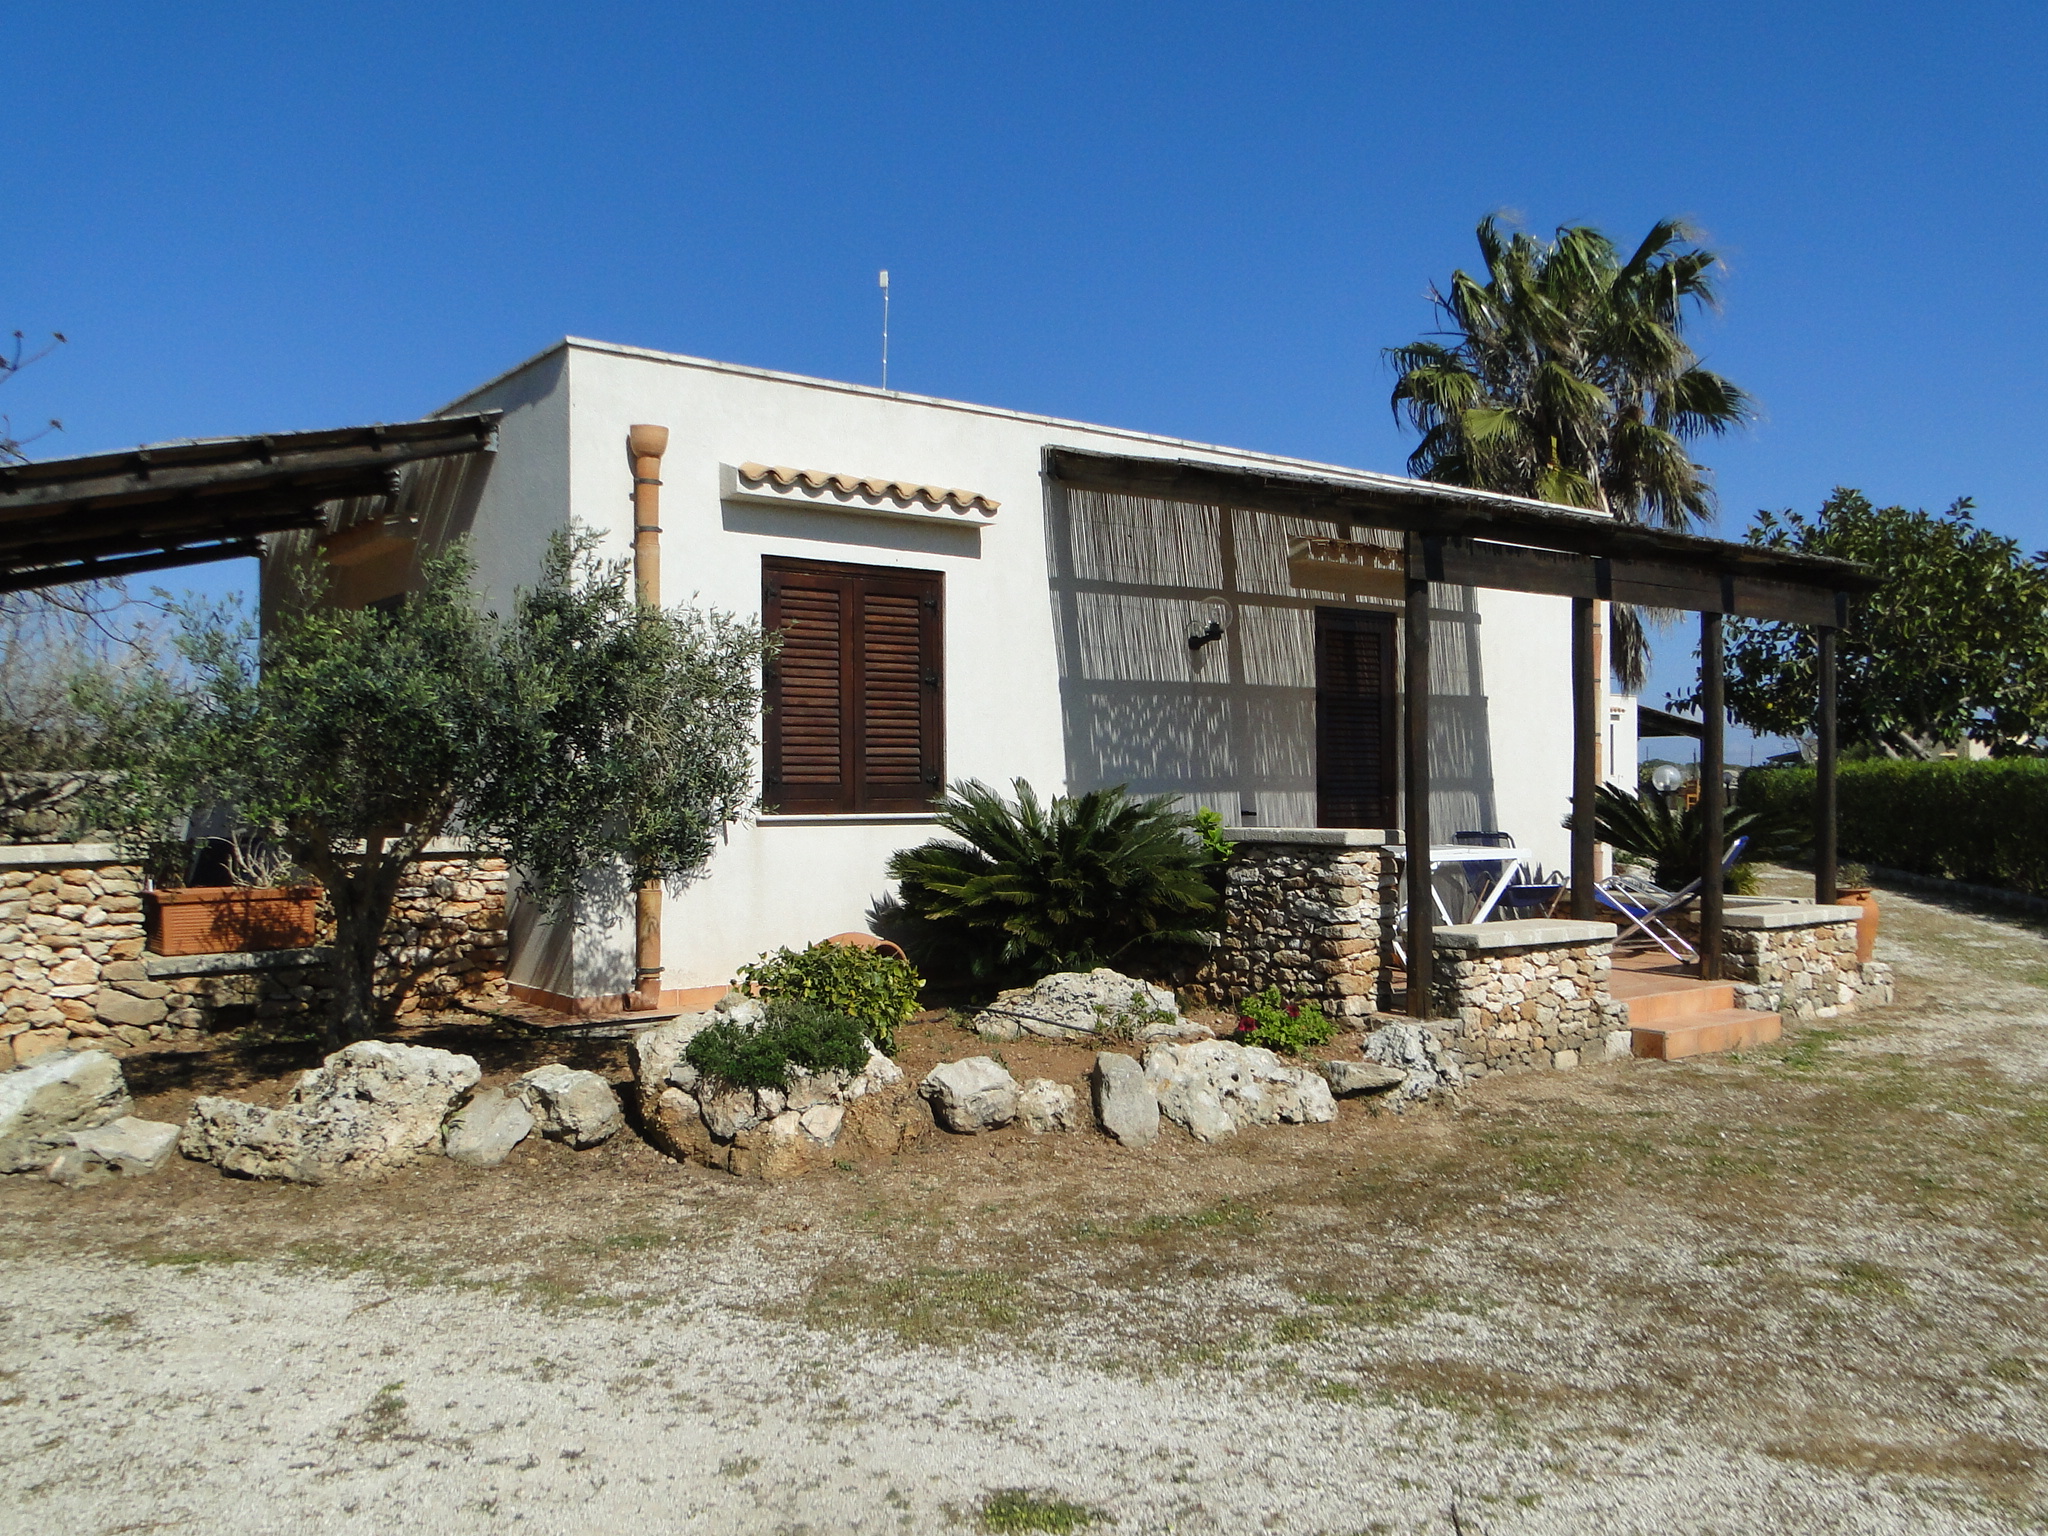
(1585, 755)
(1713, 710)
(1825, 874)
(1421, 935)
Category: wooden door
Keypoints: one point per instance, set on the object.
(1357, 719)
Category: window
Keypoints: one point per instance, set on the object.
(1355, 718)
(856, 696)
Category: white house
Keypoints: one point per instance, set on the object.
(954, 608)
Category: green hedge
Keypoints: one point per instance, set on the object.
(1984, 821)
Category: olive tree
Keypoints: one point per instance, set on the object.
(593, 741)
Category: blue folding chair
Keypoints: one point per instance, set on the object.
(1647, 907)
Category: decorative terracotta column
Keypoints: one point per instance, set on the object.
(647, 444)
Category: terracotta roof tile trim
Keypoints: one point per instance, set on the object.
(855, 485)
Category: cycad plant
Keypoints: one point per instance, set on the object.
(1646, 828)
(1068, 884)
(1565, 375)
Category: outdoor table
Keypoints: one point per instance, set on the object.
(1509, 859)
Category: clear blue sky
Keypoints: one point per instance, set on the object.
(1197, 219)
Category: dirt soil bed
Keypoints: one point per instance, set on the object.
(1799, 1290)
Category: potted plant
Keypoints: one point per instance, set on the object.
(263, 906)
(1853, 889)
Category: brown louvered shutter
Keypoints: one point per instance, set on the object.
(855, 698)
(1355, 718)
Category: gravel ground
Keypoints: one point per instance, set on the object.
(1796, 1291)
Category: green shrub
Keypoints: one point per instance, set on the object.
(1984, 821)
(877, 990)
(1062, 885)
(794, 1033)
(1268, 1019)
(1209, 828)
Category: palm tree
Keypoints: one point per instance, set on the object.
(1566, 377)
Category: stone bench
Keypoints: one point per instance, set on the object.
(1526, 994)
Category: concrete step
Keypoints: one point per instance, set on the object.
(1703, 1034)
(1689, 1001)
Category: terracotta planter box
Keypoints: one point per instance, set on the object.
(230, 919)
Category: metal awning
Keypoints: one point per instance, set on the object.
(182, 503)
(1661, 722)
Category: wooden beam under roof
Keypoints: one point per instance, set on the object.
(172, 504)
(1500, 535)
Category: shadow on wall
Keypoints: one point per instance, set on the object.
(1231, 726)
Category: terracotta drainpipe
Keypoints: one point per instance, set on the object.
(647, 444)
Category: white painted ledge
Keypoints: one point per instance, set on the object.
(58, 855)
(1312, 837)
(234, 963)
(1523, 933)
(1790, 916)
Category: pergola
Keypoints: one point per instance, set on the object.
(1480, 539)
(182, 503)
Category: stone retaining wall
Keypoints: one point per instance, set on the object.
(1527, 994)
(1302, 912)
(1800, 961)
(72, 955)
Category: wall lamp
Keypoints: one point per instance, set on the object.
(1206, 628)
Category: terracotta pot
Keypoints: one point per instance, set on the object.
(231, 919)
(1866, 920)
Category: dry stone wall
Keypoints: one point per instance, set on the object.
(1528, 994)
(73, 961)
(1801, 962)
(71, 939)
(1303, 912)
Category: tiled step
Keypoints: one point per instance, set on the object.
(1702, 1034)
(1663, 1007)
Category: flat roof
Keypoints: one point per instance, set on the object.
(1287, 483)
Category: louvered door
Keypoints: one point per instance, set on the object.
(1356, 715)
(855, 698)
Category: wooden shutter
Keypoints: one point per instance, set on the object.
(1355, 718)
(855, 698)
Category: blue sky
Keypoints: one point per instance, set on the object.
(1197, 219)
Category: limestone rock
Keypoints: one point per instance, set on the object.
(569, 1105)
(1124, 1104)
(658, 1058)
(117, 1007)
(972, 1095)
(1215, 1087)
(370, 1107)
(129, 1146)
(1427, 1067)
(1349, 1079)
(42, 1103)
(1076, 1005)
(768, 1133)
(486, 1129)
(34, 1044)
(1044, 1105)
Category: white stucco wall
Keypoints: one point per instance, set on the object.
(793, 880)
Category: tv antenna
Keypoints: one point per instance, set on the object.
(885, 327)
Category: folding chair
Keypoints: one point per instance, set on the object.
(1647, 907)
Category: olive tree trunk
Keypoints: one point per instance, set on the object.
(360, 889)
